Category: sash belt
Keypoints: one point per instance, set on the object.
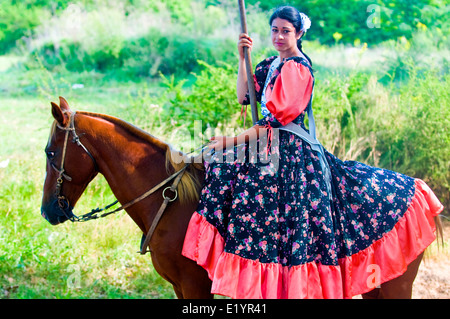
(311, 139)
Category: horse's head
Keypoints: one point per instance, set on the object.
(70, 166)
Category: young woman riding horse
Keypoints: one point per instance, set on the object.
(312, 226)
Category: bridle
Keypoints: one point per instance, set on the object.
(64, 204)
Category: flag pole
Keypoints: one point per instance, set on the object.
(248, 64)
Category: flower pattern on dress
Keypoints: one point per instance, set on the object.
(284, 215)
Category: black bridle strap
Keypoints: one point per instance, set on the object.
(93, 213)
(63, 202)
(75, 139)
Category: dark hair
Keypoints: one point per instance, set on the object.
(292, 15)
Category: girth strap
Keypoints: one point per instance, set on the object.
(161, 210)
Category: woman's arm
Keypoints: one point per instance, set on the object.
(242, 85)
(222, 142)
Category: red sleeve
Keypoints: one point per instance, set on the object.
(291, 92)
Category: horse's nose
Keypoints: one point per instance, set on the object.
(53, 221)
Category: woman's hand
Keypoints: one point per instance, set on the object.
(221, 142)
(244, 42)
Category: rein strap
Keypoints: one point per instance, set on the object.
(92, 214)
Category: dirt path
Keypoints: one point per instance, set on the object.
(433, 278)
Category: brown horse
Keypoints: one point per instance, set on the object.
(133, 161)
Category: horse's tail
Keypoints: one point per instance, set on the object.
(439, 231)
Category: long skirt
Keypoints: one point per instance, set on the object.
(275, 230)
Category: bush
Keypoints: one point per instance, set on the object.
(350, 20)
(167, 54)
(211, 100)
(414, 138)
(17, 20)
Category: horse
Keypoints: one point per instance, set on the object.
(132, 162)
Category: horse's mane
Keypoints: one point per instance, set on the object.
(189, 186)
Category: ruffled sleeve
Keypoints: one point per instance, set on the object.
(291, 92)
(259, 78)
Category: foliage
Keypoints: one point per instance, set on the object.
(211, 100)
(134, 39)
(420, 144)
(140, 38)
(366, 20)
(16, 21)
(158, 53)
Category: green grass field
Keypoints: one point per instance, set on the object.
(381, 97)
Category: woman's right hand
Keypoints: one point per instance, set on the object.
(244, 42)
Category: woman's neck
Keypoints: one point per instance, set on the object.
(289, 54)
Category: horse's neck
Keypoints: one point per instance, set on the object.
(130, 164)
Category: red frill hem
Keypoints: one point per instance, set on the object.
(385, 259)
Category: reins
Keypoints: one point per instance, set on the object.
(93, 214)
(64, 204)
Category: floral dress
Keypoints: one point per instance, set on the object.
(278, 231)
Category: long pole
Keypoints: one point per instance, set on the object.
(248, 65)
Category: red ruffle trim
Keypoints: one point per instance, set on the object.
(385, 259)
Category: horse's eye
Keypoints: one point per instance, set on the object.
(50, 154)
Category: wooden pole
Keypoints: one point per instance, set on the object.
(248, 65)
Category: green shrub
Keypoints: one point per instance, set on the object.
(415, 138)
(350, 20)
(211, 100)
(17, 20)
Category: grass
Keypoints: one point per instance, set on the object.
(93, 260)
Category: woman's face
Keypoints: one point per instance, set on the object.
(284, 36)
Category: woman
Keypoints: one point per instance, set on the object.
(311, 226)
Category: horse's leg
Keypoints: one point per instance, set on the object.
(193, 286)
(401, 287)
(178, 292)
(373, 294)
(196, 284)
(189, 280)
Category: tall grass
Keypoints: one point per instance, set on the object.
(387, 106)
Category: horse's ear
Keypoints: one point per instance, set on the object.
(63, 104)
(59, 115)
